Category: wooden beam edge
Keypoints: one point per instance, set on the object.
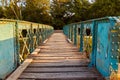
(69, 41)
(45, 41)
(36, 51)
(19, 70)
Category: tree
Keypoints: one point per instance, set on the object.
(65, 12)
(61, 12)
(37, 11)
(80, 8)
(11, 9)
(102, 8)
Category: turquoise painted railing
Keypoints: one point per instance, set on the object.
(99, 39)
(18, 39)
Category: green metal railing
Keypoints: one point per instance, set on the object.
(18, 39)
(99, 40)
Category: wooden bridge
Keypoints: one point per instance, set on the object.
(57, 60)
(34, 54)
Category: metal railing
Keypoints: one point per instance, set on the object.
(99, 39)
(18, 39)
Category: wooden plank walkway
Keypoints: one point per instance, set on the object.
(59, 60)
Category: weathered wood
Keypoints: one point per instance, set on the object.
(60, 64)
(59, 60)
(36, 51)
(59, 69)
(45, 41)
(59, 75)
(19, 70)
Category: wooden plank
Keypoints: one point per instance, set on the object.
(56, 51)
(58, 64)
(59, 60)
(65, 49)
(63, 60)
(19, 70)
(52, 47)
(59, 75)
(60, 53)
(58, 69)
(57, 57)
(69, 50)
(88, 78)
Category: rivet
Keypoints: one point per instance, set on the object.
(111, 63)
(113, 27)
(118, 35)
(112, 49)
(116, 63)
(113, 42)
(113, 35)
(111, 56)
(118, 50)
(117, 57)
(116, 70)
(118, 42)
(111, 70)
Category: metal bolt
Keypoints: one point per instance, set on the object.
(118, 50)
(113, 42)
(111, 70)
(118, 42)
(113, 35)
(113, 27)
(116, 63)
(112, 49)
(117, 57)
(111, 63)
(118, 35)
(111, 56)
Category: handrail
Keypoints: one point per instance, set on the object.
(18, 39)
(98, 39)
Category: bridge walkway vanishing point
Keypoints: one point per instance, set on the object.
(59, 60)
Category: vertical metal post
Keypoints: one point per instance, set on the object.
(42, 33)
(69, 32)
(17, 45)
(94, 47)
(75, 34)
(81, 37)
(31, 38)
(38, 36)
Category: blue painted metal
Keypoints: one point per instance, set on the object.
(7, 48)
(94, 47)
(105, 34)
(81, 37)
(75, 34)
(17, 40)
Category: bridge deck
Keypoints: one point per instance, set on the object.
(59, 60)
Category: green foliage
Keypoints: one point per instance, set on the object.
(68, 12)
(36, 11)
(58, 12)
(1, 12)
(102, 8)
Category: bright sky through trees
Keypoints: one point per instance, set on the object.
(58, 14)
